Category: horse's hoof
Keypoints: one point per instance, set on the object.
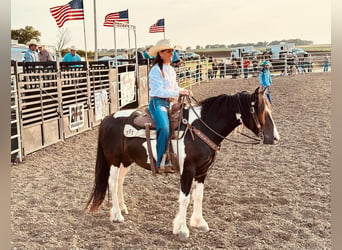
(124, 210)
(200, 224)
(183, 235)
(117, 218)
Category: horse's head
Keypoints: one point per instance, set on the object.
(260, 119)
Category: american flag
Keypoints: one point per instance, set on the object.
(159, 26)
(121, 16)
(71, 11)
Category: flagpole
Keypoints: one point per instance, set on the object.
(116, 53)
(129, 40)
(164, 28)
(95, 30)
(85, 40)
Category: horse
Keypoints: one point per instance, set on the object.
(215, 117)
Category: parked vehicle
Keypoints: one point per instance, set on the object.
(299, 51)
(18, 52)
(275, 50)
(191, 56)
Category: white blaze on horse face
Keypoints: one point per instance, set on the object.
(124, 113)
(275, 131)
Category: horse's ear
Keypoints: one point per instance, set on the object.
(257, 91)
(263, 91)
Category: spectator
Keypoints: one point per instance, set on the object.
(221, 67)
(307, 62)
(176, 60)
(215, 68)
(43, 54)
(296, 62)
(210, 74)
(255, 63)
(198, 73)
(72, 56)
(301, 65)
(246, 64)
(265, 79)
(235, 70)
(125, 55)
(31, 54)
(326, 63)
(146, 53)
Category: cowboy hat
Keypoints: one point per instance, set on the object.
(265, 63)
(161, 45)
(73, 48)
(32, 41)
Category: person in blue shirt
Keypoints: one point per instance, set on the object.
(31, 55)
(163, 88)
(146, 53)
(72, 56)
(265, 79)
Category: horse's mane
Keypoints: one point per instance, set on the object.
(223, 100)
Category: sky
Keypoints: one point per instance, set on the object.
(187, 22)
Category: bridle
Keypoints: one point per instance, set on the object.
(255, 118)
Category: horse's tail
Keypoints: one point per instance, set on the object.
(100, 187)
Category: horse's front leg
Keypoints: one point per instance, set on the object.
(122, 174)
(179, 223)
(197, 219)
(115, 212)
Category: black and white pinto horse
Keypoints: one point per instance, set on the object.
(216, 117)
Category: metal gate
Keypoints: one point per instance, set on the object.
(16, 153)
(38, 105)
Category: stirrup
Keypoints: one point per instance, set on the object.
(166, 169)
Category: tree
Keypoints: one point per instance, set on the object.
(64, 38)
(25, 35)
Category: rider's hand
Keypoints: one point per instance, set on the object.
(185, 92)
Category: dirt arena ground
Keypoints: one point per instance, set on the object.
(255, 197)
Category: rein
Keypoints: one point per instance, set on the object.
(256, 140)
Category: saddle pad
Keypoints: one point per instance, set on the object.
(130, 131)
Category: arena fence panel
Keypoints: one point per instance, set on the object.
(38, 106)
(16, 149)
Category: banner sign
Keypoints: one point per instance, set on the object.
(101, 104)
(127, 87)
(76, 116)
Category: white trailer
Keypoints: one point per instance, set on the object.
(240, 51)
(275, 49)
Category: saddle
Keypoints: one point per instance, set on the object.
(145, 117)
(145, 121)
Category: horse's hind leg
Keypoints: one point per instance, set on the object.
(115, 212)
(122, 173)
(197, 219)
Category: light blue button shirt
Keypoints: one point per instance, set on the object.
(165, 87)
(70, 58)
(31, 56)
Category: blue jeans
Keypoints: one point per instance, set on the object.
(268, 94)
(159, 112)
